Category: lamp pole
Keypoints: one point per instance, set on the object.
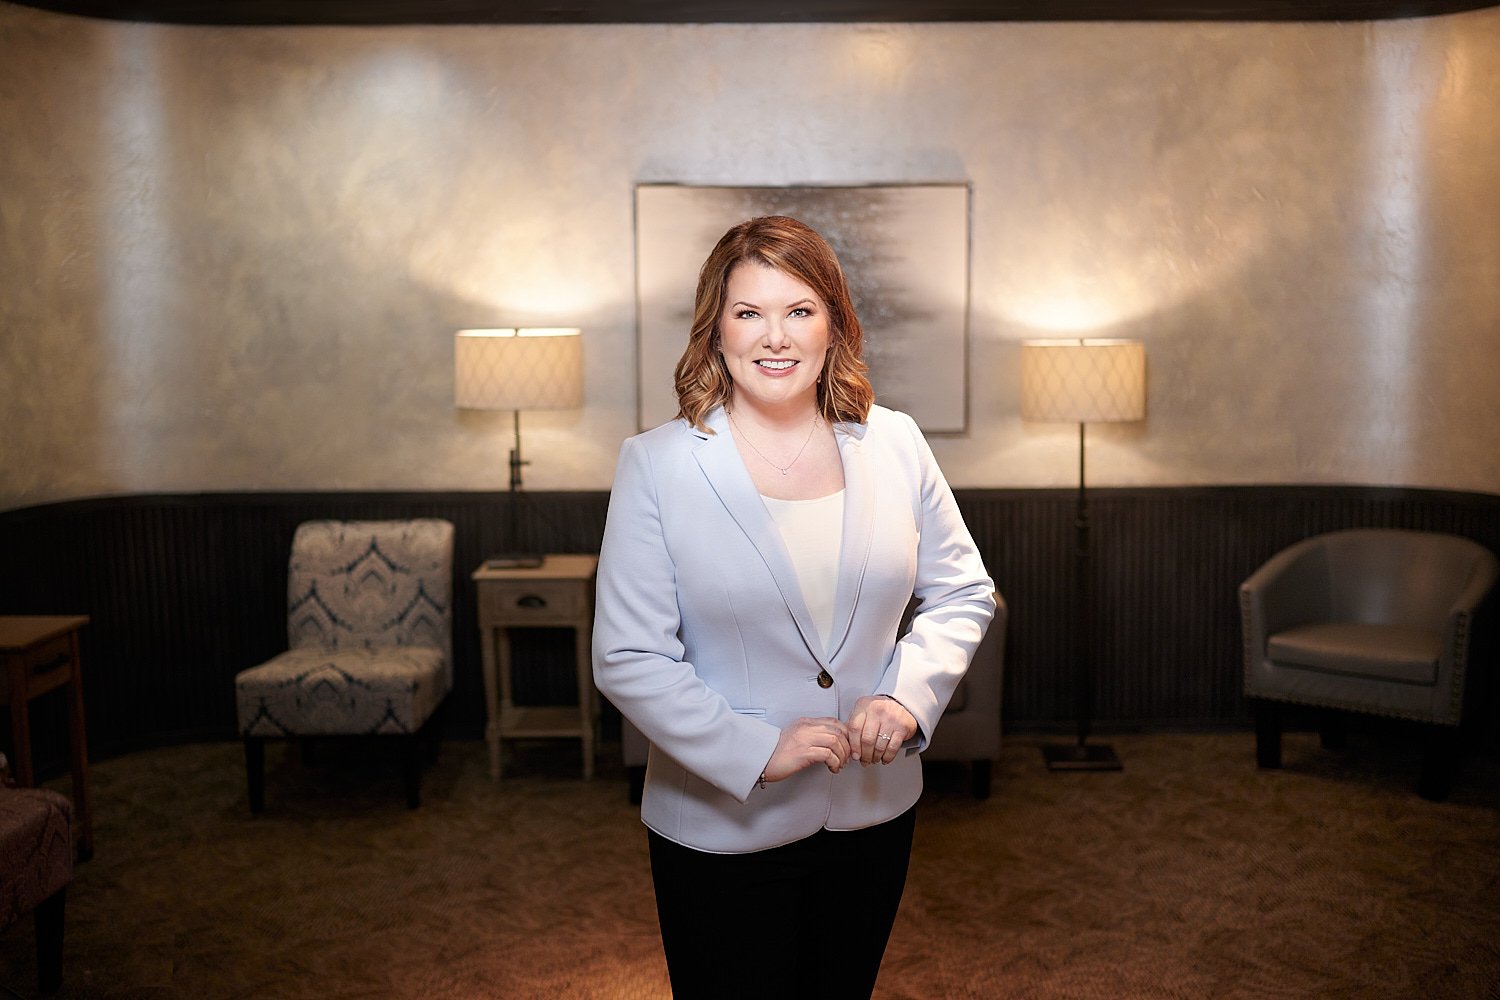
(1083, 755)
(1082, 675)
(515, 457)
(518, 556)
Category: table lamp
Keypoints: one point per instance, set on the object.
(517, 369)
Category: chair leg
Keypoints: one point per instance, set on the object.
(1439, 761)
(432, 730)
(1267, 734)
(980, 772)
(1333, 730)
(255, 772)
(49, 942)
(413, 752)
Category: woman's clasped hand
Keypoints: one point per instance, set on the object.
(878, 727)
(873, 735)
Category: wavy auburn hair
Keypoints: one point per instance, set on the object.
(795, 249)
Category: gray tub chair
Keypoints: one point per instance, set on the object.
(369, 623)
(969, 731)
(1369, 620)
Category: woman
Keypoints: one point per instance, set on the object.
(760, 552)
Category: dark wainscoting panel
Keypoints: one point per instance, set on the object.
(1166, 566)
(186, 590)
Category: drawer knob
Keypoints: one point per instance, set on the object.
(531, 601)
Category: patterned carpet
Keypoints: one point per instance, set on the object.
(1189, 875)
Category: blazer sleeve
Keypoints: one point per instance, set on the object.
(956, 601)
(639, 660)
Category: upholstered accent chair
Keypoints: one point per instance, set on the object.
(970, 727)
(36, 866)
(369, 624)
(969, 731)
(1369, 620)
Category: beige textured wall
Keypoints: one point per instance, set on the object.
(233, 258)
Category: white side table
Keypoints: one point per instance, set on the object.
(559, 593)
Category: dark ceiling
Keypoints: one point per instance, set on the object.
(350, 12)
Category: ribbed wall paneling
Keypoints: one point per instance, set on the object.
(1026, 538)
(1166, 564)
(186, 590)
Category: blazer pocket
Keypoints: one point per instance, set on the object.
(754, 713)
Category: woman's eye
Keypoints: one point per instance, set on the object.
(801, 312)
(745, 314)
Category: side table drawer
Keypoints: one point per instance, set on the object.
(527, 600)
(54, 654)
(46, 665)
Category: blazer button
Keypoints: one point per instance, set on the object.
(824, 679)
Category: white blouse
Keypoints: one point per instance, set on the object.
(813, 531)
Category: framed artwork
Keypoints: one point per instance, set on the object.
(905, 252)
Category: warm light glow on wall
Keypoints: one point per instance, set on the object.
(139, 258)
(1401, 89)
(879, 54)
(1067, 314)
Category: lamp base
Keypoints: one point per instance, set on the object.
(514, 560)
(1088, 757)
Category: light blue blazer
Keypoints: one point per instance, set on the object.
(703, 641)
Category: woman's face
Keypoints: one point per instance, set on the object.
(774, 336)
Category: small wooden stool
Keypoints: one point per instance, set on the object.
(40, 652)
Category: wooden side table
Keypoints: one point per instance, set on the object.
(559, 593)
(40, 652)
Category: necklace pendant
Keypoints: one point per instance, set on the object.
(785, 471)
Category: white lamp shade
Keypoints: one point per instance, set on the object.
(528, 369)
(1083, 381)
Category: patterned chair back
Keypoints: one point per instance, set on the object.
(371, 584)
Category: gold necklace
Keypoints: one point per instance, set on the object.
(788, 467)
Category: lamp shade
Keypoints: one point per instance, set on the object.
(1083, 381)
(527, 369)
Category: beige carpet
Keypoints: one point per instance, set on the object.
(1189, 875)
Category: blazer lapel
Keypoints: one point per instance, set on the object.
(859, 528)
(720, 461)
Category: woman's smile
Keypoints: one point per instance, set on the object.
(774, 336)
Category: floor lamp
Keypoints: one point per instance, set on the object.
(510, 369)
(1087, 381)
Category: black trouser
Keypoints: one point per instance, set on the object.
(808, 919)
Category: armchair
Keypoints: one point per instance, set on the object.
(36, 866)
(369, 623)
(970, 727)
(1368, 620)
